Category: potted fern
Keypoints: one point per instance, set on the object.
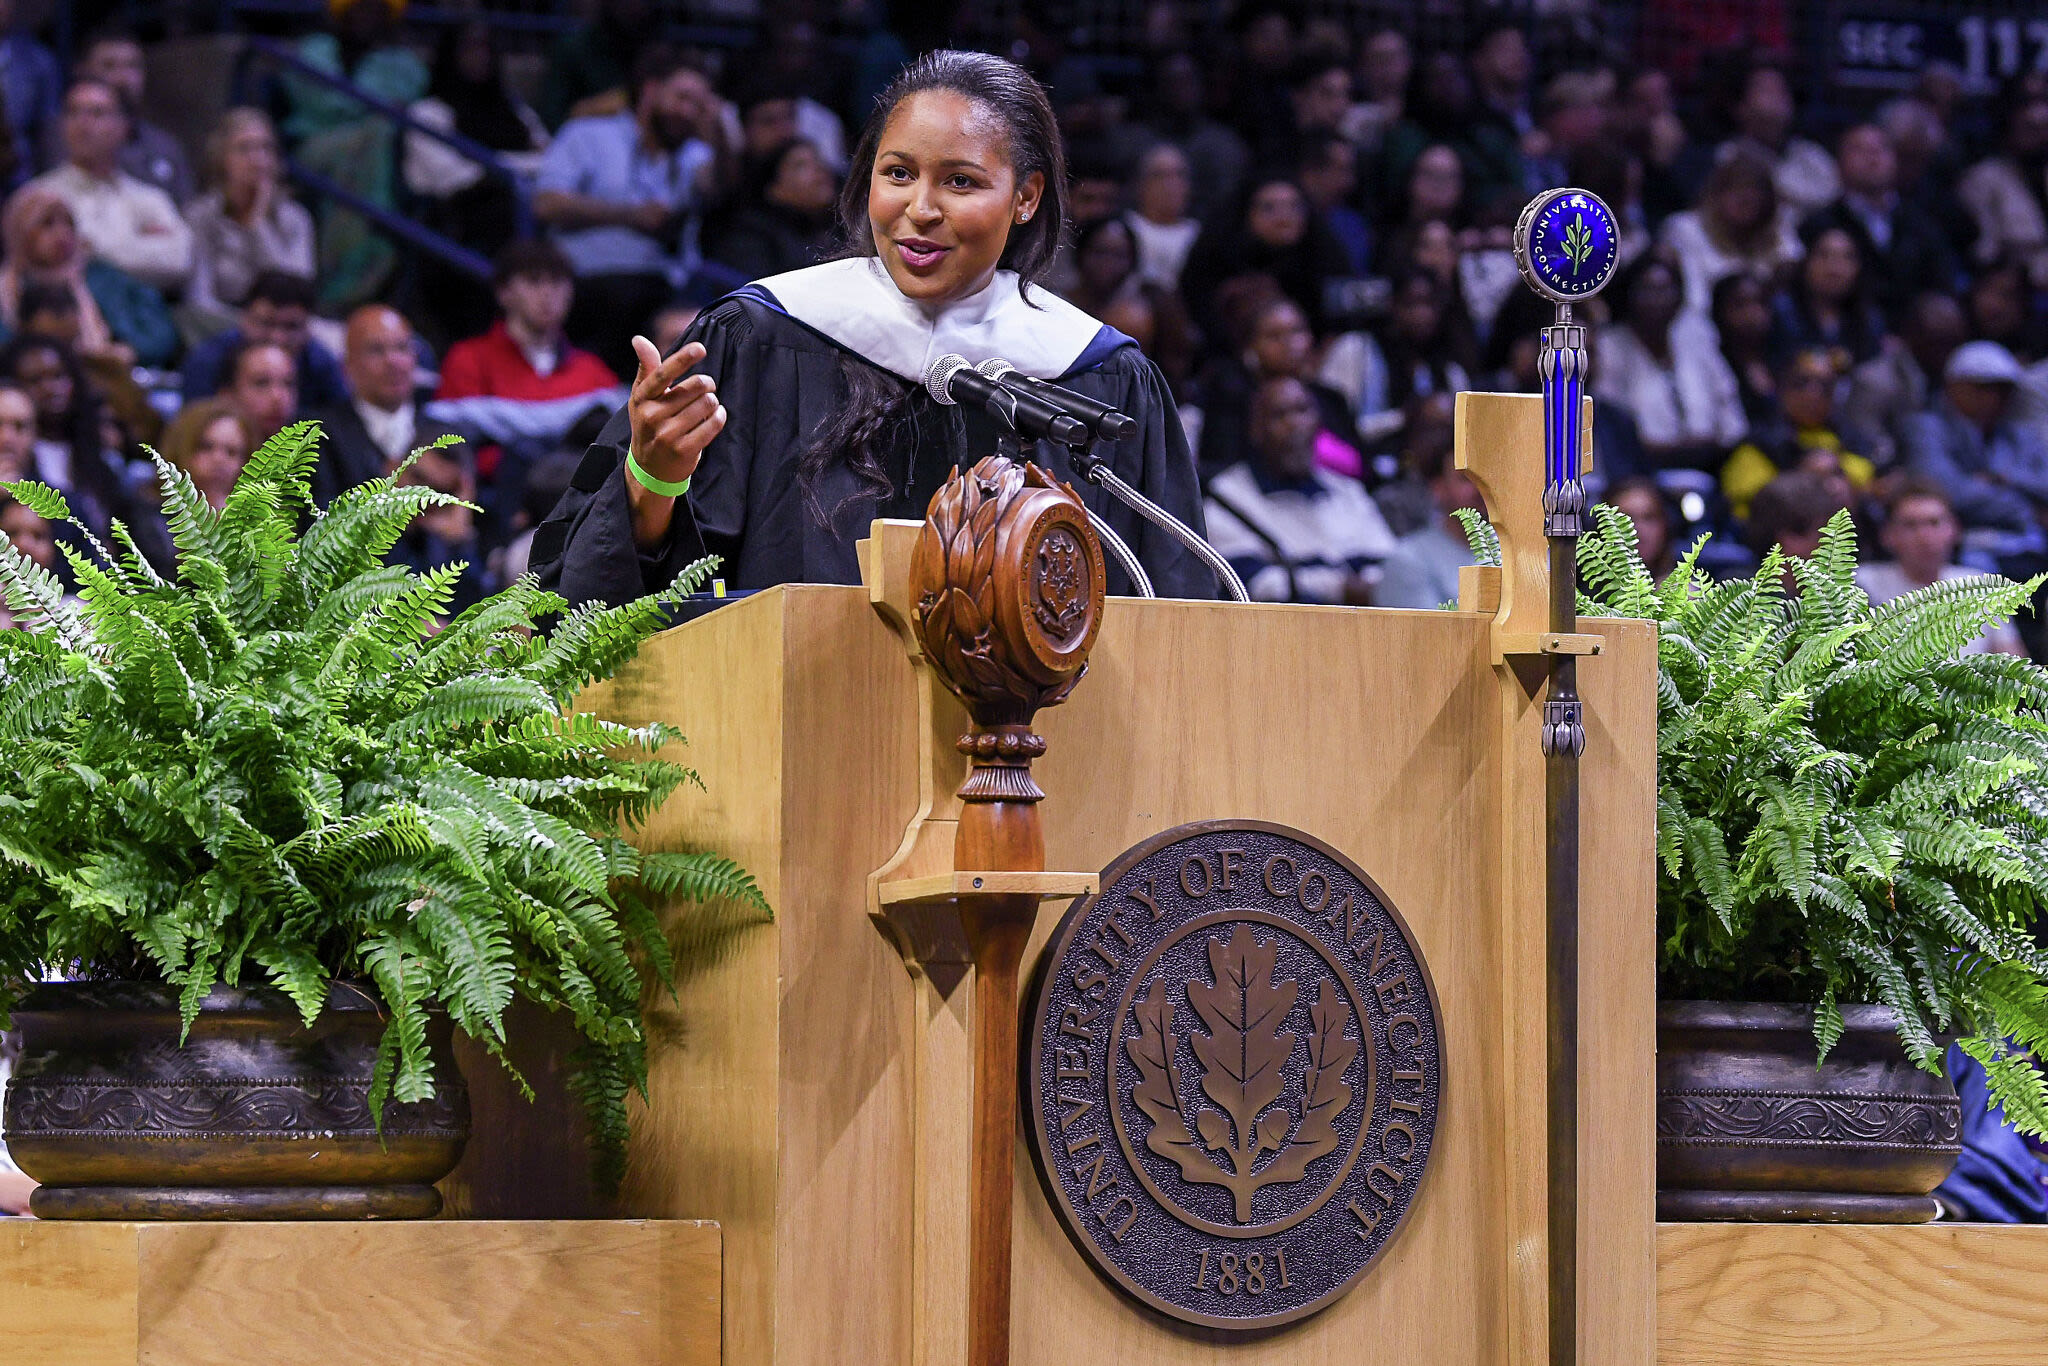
(1851, 826)
(280, 832)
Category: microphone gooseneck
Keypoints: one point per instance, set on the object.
(1097, 471)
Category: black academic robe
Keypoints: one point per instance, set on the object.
(780, 383)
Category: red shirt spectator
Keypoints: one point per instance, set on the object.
(521, 381)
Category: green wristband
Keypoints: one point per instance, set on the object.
(647, 481)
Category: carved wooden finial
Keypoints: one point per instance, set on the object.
(1008, 582)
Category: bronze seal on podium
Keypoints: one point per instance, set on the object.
(1234, 1073)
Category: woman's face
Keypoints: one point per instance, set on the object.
(474, 59)
(1278, 215)
(52, 239)
(1807, 391)
(1417, 314)
(1745, 316)
(1108, 258)
(31, 535)
(1436, 249)
(1832, 265)
(1385, 65)
(1740, 203)
(217, 460)
(42, 373)
(1998, 303)
(1646, 510)
(944, 196)
(249, 158)
(1164, 184)
(1436, 184)
(1281, 342)
(803, 181)
(1653, 303)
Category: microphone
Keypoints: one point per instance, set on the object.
(950, 380)
(1104, 421)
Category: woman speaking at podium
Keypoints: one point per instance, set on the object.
(794, 412)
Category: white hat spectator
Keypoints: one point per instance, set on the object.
(1983, 362)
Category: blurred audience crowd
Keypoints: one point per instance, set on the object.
(1307, 225)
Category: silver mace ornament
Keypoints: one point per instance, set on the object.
(1567, 244)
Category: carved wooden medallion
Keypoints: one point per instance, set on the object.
(1234, 1074)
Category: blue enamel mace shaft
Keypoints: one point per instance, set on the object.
(1562, 364)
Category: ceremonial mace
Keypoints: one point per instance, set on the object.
(1567, 244)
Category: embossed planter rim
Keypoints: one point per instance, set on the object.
(114, 995)
(1767, 1015)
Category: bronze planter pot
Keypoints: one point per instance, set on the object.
(1749, 1129)
(255, 1116)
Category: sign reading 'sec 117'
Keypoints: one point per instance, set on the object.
(1235, 1069)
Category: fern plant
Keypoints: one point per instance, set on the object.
(1848, 808)
(272, 767)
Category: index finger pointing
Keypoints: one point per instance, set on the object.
(664, 376)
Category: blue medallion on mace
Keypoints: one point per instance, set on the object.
(1567, 244)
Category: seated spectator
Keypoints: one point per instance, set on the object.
(1423, 570)
(1902, 245)
(1294, 531)
(114, 57)
(1790, 512)
(17, 432)
(1176, 110)
(470, 97)
(120, 319)
(52, 310)
(128, 223)
(208, 442)
(245, 225)
(1802, 436)
(27, 532)
(1828, 304)
(2004, 192)
(1885, 392)
(1380, 82)
(261, 387)
(1802, 171)
(1992, 468)
(277, 312)
(1273, 233)
(334, 135)
(1273, 342)
(2000, 306)
(1327, 171)
(30, 86)
(70, 452)
(624, 194)
(521, 386)
(589, 63)
(1660, 361)
(546, 482)
(1161, 194)
(1921, 535)
(1650, 514)
(1107, 286)
(1742, 320)
(1443, 108)
(775, 109)
(381, 424)
(1738, 226)
(444, 536)
(788, 219)
(1434, 189)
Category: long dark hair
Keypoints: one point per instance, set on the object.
(875, 402)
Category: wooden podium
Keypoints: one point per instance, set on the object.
(812, 1085)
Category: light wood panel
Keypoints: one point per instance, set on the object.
(623, 1293)
(1378, 731)
(1815, 1295)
